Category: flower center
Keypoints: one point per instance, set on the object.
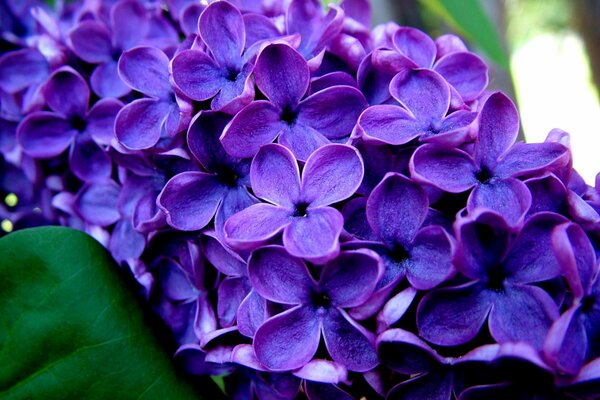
(301, 210)
(398, 253)
(228, 177)
(289, 115)
(320, 300)
(232, 75)
(496, 277)
(78, 123)
(587, 304)
(484, 175)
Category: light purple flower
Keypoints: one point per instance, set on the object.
(289, 340)
(299, 207)
(301, 125)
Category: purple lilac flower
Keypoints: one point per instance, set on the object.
(570, 342)
(301, 125)
(425, 99)
(71, 125)
(316, 307)
(225, 76)
(22, 68)
(502, 273)
(191, 199)
(493, 169)
(299, 207)
(95, 43)
(143, 122)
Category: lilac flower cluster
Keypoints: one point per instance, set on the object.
(316, 209)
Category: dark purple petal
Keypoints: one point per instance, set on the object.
(566, 344)
(395, 308)
(222, 29)
(140, 123)
(530, 158)
(255, 125)
(531, 258)
(203, 139)
(282, 74)
(235, 200)
(396, 210)
(576, 257)
(255, 225)
(324, 391)
(351, 278)
(451, 170)
(223, 259)
(125, 242)
(252, 312)
(508, 197)
(101, 120)
(66, 92)
(316, 235)
(190, 200)
(466, 72)
(91, 41)
(130, 23)
(416, 45)
(452, 125)
(97, 203)
(173, 281)
(449, 43)
(389, 124)
(355, 219)
(88, 161)
(232, 292)
(498, 129)
(336, 78)
(430, 258)
(105, 81)
(146, 69)
(453, 316)
(288, 340)
(279, 277)
(434, 385)
(332, 111)
(405, 353)
(258, 28)
(197, 75)
(483, 241)
(235, 93)
(347, 342)
(275, 175)
(20, 69)
(424, 93)
(302, 140)
(522, 313)
(331, 174)
(44, 134)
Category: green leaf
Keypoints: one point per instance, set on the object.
(469, 19)
(70, 328)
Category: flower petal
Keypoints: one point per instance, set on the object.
(351, 278)
(282, 74)
(404, 352)
(332, 111)
(423, 92)
(146, 69)
(252, 312)
(88, 161)
(20, 69)
(396, 210)
(66, 92)
(140, 123)
(106, 82)
(190, 200)
(390, 124)
(522, 313)
(91, 41)
(347, 342)
(416, 45)
(315, 236)
(322, 371)
(101, 120)
(289, 340)
(279, 277)
(331, 174)
(255, 125)
(222, 29)
(44, 134)
(302, 140)
(130, 23)
(255, 225)
(434, 385)
(566, 344)
(96, 203)
(453, 316)
(197, 75)
(451, 170)
(232, 291)
(466, 72)
(531, 158)
(203, 139)
(508, 197)
(431, 258)
(531, 257)
(498, 129)
(275, 175)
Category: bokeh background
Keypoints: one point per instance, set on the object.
(544, 53)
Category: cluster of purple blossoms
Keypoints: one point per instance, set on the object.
(315, 208)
